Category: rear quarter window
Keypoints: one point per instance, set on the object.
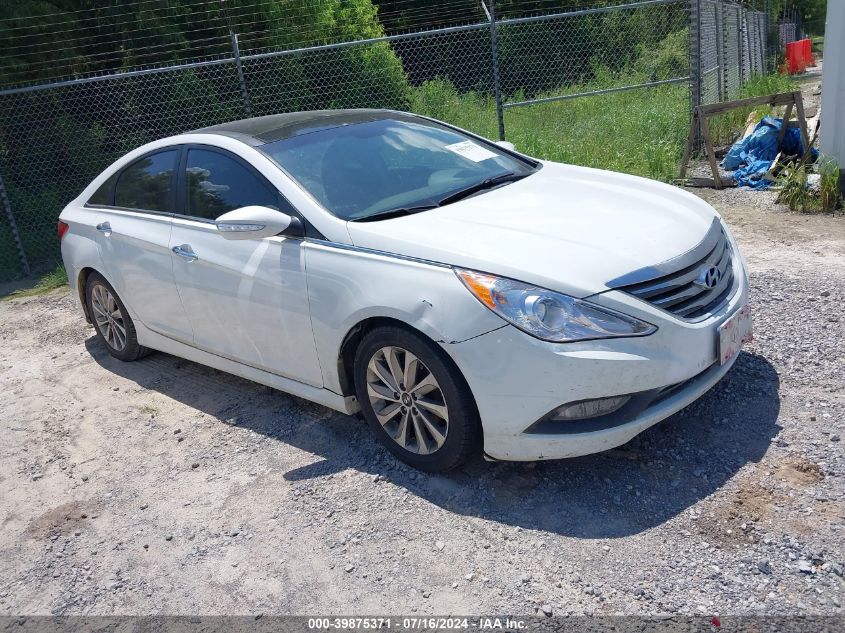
(104, 196)
(147, 184)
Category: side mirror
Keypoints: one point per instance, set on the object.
(255, 222)
(507, 145)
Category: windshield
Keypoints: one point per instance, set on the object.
(373, 168)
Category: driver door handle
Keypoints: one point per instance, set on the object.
(104, 227)
(185, 252)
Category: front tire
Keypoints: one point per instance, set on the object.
(112, 323)
(415, 400)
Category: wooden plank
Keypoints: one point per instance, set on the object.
(802, 121)
(772, 100)
(700, 117)
(786, 117)
(709, 183)
(690, 143)
(813, 123)
(711, 155)
(775, 169)
(751, 123)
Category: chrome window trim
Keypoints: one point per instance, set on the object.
(129, 210)
(373, 251)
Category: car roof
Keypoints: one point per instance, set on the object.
(276, 127)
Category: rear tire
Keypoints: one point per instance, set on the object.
(112, 323)
(430, 423)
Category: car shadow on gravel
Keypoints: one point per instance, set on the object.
(659, 474)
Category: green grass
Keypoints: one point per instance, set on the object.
(55, 279)
(640, 132)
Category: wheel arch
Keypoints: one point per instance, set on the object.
(81, 281)
(470, 436)
(354, 336)
(349, 345)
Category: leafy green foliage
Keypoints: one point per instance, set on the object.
(793, 187)
(53, 142)
(667, 61)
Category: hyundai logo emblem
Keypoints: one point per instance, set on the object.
(708, 277)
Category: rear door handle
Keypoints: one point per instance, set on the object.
(104, 228)
(185, 252)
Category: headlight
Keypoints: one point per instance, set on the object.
(548, 315)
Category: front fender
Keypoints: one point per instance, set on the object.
(347, 286)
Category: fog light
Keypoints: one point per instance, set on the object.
(586, 409)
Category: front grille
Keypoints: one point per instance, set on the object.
(680, 291)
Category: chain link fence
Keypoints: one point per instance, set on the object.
(56, 137)
(734, 45)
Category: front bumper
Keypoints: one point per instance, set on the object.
(517, 379)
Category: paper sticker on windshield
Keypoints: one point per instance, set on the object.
(471, 151)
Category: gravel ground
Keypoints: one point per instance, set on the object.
(163, 487)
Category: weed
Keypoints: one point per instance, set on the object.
(52, 280)
(829, 184)
(793, 188)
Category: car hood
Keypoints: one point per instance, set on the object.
(570, 229)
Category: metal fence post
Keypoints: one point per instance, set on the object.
(768, 26)
(764, 42)
(236, 51)
(730, 60)
(695, 60)
(13, 225)
(239, 67)
(752, 42)
(740, 47)
(494, 52)
(721, 76)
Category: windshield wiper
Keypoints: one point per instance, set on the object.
(395, 213)
(487, 183)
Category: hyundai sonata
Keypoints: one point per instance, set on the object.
(461, 295)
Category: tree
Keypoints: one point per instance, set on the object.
(54, 141)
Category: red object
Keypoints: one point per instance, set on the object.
(799, 55)
(715, 622)
(794, 58)
(62, 228)
(807, 47)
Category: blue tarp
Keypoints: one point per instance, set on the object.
(752, 157)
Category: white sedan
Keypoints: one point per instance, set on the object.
(462, 296)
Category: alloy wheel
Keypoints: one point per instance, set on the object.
(407, 400)
(108, 317)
